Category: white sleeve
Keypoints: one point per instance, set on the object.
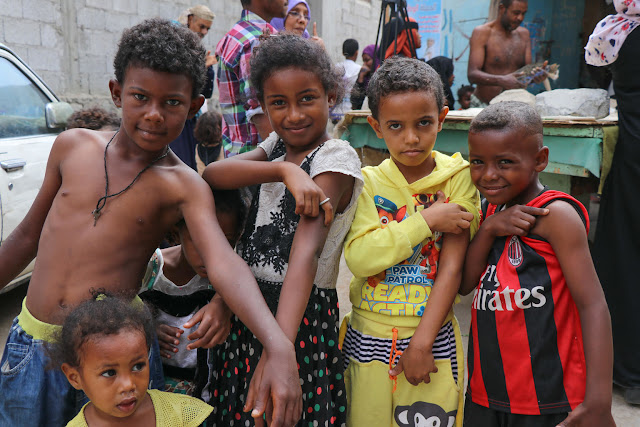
(270, 143)
(337, 156)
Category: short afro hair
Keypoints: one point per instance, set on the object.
(400, 74)
(94, 118)
(287, 50)
(508, 115)
(160, 45)
(465, 89)
(104, 314)
(350, 47)
(508, 3)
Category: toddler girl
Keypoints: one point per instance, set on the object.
(103, 347)
(298, 169)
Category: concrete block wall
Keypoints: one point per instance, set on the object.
(71, 43)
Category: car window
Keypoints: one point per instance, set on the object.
(21, 104)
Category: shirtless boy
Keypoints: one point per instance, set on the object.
(105, 204)
(498, 48)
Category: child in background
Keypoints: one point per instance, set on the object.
(464, 96)
(406, 249)
(94, 118)
(208, 133)
(106, 202)
(294, 258)
(370, 63)
(540, 344)
(103, 348)
(176, 287)
(351, 70)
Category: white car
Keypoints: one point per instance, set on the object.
(31, 116)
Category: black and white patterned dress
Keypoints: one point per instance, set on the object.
(265, 246)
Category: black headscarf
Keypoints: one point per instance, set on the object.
(444, 67)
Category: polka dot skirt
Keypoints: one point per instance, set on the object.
(319, 359)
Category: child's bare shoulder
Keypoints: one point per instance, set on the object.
(562, 221)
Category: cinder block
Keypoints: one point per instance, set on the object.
(42, 10)
(22, 31)
(90, 18)
(116, 22)
(11, 8)
(126, 6)
(45, 59)
(51, 36)
(100, 4)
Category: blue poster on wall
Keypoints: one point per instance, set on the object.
(428, 14)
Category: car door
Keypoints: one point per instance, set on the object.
(25, 141)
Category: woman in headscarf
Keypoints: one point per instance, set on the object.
(616, 250)
(296, 21)
(444, 67)
(370, 63)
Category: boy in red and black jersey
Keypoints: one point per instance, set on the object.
(540, 347)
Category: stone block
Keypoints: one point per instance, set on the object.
(90, 18)
(573, 102)
(42, 10)
(92, 64)
(98, 42)
(44, 59)
(100, 4)
(116, 22)
(22, 31)
(126, 6)
(11, 8)
(520, 95)
(51, 36)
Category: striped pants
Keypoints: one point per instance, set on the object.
(373, 398)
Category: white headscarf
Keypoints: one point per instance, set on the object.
(200, 11)
(610, 33)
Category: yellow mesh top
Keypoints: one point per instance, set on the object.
(175, 410)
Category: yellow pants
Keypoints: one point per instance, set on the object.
(371, 398)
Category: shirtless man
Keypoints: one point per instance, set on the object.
(498, 48)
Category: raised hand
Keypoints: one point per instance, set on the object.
(446, 217)
(307, 193)
(210, 59)
(517, 220)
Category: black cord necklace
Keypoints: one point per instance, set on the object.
(103, 200)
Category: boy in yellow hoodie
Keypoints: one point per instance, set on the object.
(406, 250)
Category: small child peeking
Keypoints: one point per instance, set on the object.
(540, 347)
(177, 288)
(406, 249)
(103, 349)
(304, 180)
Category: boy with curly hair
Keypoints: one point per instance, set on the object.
(105, 204)
(406, 249)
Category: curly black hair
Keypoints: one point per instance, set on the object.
(400, 74)
(287, 50)
(465, 89)
(208, 130)
(104, 314)
(94, 118)
(161, 45)
(508, 115)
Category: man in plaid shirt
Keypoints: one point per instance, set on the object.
(238, 106)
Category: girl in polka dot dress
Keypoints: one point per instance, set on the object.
(298, 169)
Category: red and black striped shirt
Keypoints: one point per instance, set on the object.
(526, 352)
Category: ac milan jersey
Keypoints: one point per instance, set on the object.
(526, 353)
